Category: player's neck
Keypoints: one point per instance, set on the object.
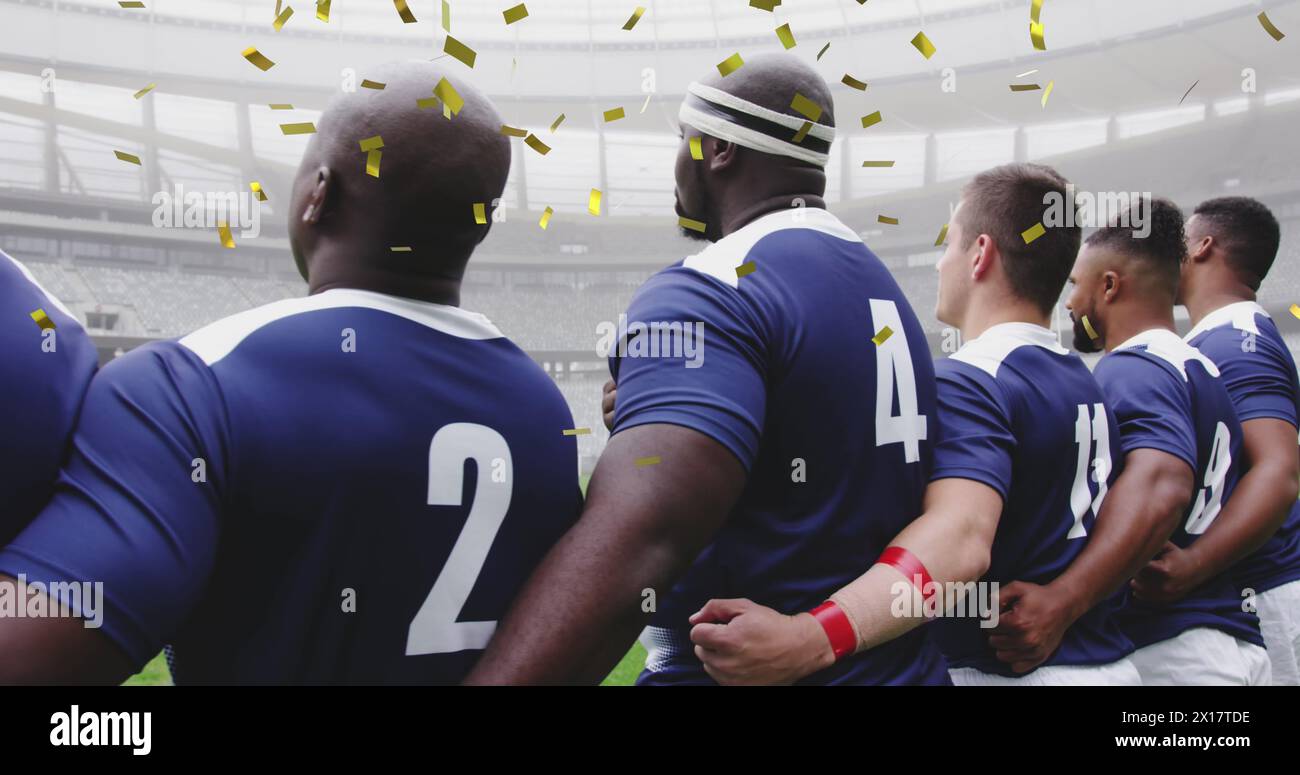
(330, 270)
(1201, 304)
(1123, 327)
(981, 318)
(736, 215)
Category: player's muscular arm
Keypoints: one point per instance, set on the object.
(642, 527)
(741, 642)
(1140, 513)
(55, 650)
(1258, 507)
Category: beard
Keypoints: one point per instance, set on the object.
(706, 207)
(1082, 342)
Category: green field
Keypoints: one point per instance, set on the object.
(624, 674)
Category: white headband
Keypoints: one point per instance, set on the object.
(728, 117)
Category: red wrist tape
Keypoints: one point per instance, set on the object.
(844, 641)
(910, 566)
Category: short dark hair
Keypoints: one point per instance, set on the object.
(1163, 249)
(1004, 203)
(1249, 232)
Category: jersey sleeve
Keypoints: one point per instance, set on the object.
(1257, 372)
(713, 381)
(137, 505)
(976, 435)
(1150, 405)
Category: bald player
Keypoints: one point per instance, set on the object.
(774, 465)
(345, 488)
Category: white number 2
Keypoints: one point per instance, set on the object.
(1206, 509)
(1086, 431)
(434, 630)
(894, 363)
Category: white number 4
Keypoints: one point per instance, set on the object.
(894, 363)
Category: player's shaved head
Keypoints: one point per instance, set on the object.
(734, 183)
(343, 222)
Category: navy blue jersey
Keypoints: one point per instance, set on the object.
(1260, 375)
(1024, 416)
(47, 364)
(833, 429)
(1167, 396)
(346, 488)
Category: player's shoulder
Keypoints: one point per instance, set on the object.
(24, 293)
(1003, 350)
(1156, 349)
(217, 340)
(780, 233)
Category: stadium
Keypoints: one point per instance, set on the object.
(1188, 99)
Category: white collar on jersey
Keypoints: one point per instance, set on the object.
(720, 259)
(987, 351)
(1168, 346)
(1240, 314)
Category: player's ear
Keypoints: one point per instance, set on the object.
(724, 154)
(318, 196)
(1109, 285)
(981, 260)
(1200, 251)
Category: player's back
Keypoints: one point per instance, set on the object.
(356, 486)
(1162, 389)
(48, 362)
(832, 426)
(1024, 416)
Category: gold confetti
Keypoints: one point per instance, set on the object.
(806, 107)
(853, 83)
(283, 17)
(510, 131)
(323, 10)
(730, 65)
(371, 143)
(823, 51)
(480, 213)
(697, 149)
(1270, 27)
(871, 120)
(786, 37)
(556, 124)
(535, 142)
(131, 3)
(1087, 326)
(1025, 87)
(802, 133)
(653, 460)
(613, 114)
(1033, 233)
(884, 335)
(923, 44)
(546, 218)
(369, 84)
(1295, 310)
(128, 157)
(145, 90)
(1027, 73)
(306, 128)
(446, 17)
(223, 231)
(636, 17)
(280, 106)
(451, 98)
(943, 235)
(888, 163)
(401, 248)
(404, 12)
(1048, 92)
(693, 225)
(258, 59)
(766, 5)
(257, 191)
(887, 220)
(372, 162)
(42, 320)
(460, 51)
(1036, 11)
(515, 14)
(746, 268)
(593, 202)
(578, 432)
(1036, 35)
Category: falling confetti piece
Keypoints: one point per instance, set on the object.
(1036, 11)
(1025, 87)
(535, 142)
(256, 188)
(131, 3)
(556, 123)
(1295, 310)
(1027, 74)
(806, 107)
(943, 235)
(42, 320)
(885, 219)
(923, 44)
(283, 17)
(823, 51)
(223, 231)
(372, 162)
(578, 432)
(515, 14)
(510, 131)
(766, 5)
(646, 104)
(803, 132)
(376, 85)
(546, 218)
(747, 268)
(145, 90)
(401, 248)
(1270, 27)
(653, 460)
(460, 51)
(128, 157)
(371, 143)
(280, 106)
(306, 128)
(480, 213)
(1189, 91)
(883, 336)
(636, 17)
(593, 202)
(888, 163)
(730, 65)
(1048, 92)
(1087, 326)
(1033, 233)
(446, 17)
(871, 120)
(451, 98)
(697, 149)
(1036, 35)
(613, 114)
(693, 225)
(404, 12)
(786, 37)
(323, 11)
(258, 59)
(853, 83)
